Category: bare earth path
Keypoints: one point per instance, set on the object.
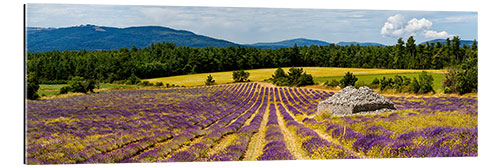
(257, 142)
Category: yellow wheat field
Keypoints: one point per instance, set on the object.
(262, 74)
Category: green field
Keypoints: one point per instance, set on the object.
(262, 74)
(320, 75)
(438, 78)
(53, 89)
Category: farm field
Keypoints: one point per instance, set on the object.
(368, 78)
(262, 74)
(244, 121)
(53, 89)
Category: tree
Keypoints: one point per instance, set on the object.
(466, 77)
(79, 84)
(293, 75)
(32, 86)
(449, 81)
(305, 79)
(167, 59)
(411, 47)
(474, 45)
(398, 60)
(333, 83)
(279, 77)
(133, 79)
(159, 84)
(455, 49)
(210, 80)
(415, 86)
(240, 76)
(76, 84)
(348, 80)
(425, 82)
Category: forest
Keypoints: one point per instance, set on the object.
(167, 59)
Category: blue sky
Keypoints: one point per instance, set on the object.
(251, 25)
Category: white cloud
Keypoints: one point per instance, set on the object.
(435, 34)
(415, 25)
(393, 26)
(397, 26)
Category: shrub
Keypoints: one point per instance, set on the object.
(210, 80)
(295, 77)
(425, 82)
(279, 77)
(448, 90)
(333, 83)
(348, 80)
(415, 86)
(305, 79)
(145, 83)
(375, 81)
(32, 86)
(385, 83)
(78, 84)
(466, 77)
(240, 76)
(64, 90)
(449, 81)
(400, 83)
(159, 84)
(132, 80)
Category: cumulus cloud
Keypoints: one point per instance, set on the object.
(398, 26)
(435, 34)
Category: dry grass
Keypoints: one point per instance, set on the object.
(291, 140)
(257, 142)
(262, 74)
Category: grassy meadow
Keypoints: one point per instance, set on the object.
(368, 78)
(53, 89)
(320, 74)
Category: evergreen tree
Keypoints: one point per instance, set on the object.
(240, 76)
(455, 49)
(32, 86)
(279, 77)
(348, 80)
(410, 46)
(210, 80)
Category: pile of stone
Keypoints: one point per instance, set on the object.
(350, 101)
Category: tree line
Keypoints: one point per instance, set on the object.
(167, 59)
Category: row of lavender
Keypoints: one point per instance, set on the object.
(315, 146)
(114, 126)
(163, 150)
(199, 150)
(377, 142)
(183, 124)
(236, 149)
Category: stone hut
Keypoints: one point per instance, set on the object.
(351, 101)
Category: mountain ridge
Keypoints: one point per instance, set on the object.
(93, 37)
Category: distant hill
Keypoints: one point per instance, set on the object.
(443, 41)
(360, 44)
(92, 37)
(288, 43)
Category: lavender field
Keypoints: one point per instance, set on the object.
(235, 122)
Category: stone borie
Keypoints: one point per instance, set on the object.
(350, 101)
